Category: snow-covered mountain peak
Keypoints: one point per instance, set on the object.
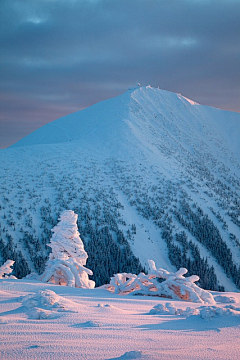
(149, 173)
(141, 111)
(106, 119)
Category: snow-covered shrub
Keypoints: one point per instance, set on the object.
(66, 262)
(6, 270)
(175, 285)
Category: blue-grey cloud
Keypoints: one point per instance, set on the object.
(61, 56)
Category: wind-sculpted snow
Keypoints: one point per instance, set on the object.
(150, 175)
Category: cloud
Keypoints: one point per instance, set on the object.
(67, 55)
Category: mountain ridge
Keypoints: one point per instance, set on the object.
(138, 95)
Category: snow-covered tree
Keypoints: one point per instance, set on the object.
(6, 270)
(174, 285)
(66, 264)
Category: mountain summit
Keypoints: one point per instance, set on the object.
(144, 114)
(151, 175)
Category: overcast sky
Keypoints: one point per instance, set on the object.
(60, 56)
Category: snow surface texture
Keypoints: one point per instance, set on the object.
(6, 270)
(175, 286)
(66, 262)
(149, 173)
(46, 321)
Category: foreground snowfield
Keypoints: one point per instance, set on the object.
(71, 323)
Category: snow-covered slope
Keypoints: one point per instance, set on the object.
(149, 172)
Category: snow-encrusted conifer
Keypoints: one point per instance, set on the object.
(66, 262)
(6, 270)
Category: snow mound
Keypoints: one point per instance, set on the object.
(165, 309)
(169, 309)
(209, 312)
(110, 308)
(224, 299)
(205, 312)
(45, 304)
(130, 355)
(87, 324)
(40, 314)
(190, 311)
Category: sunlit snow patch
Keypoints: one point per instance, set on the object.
(181, 97)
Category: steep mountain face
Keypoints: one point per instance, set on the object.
(151, 175)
